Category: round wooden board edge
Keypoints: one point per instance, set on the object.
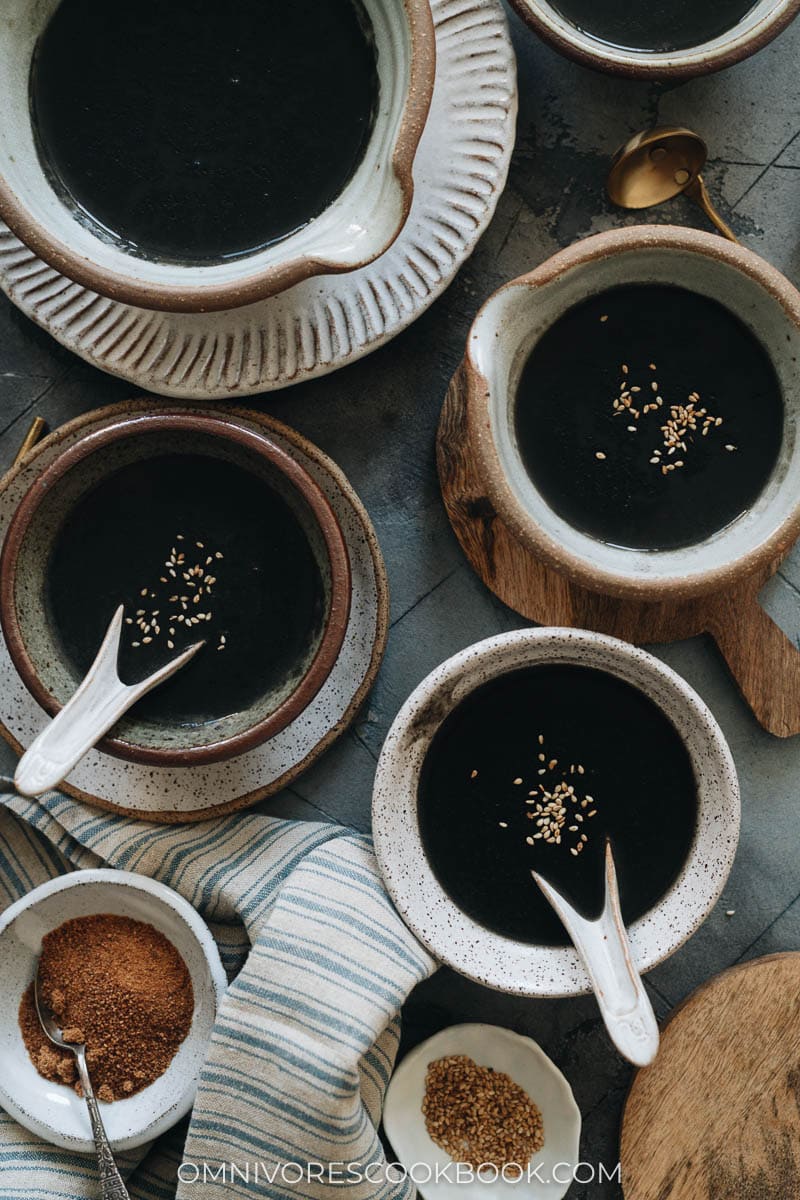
(735, 969)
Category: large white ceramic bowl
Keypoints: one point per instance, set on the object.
(447, 931)
(360, 224)
(52, 1110)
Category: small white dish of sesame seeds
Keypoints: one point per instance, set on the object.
(437, 1175)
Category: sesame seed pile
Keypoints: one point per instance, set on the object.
(480, 1116)
(555, 803)
(179, 594)
(677, 431)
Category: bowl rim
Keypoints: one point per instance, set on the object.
(542, 18)
(443, 928)
(165, 897)
(336, 621)
(526, 528)
(266, 281)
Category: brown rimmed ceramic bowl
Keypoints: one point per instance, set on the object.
(765, 20)
(354, 230)
(500, 341)
(34, 644)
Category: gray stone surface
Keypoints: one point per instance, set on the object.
(378, 419)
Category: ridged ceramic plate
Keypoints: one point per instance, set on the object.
(196, 793)
(327, 322)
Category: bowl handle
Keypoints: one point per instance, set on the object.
(764, 662)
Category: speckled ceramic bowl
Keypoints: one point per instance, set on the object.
(445, 929)
(24, 613)
(760, 25)
(54, 1111)
(359, 226)
(515, 317)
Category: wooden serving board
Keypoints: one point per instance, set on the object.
(763, 661)
(717, 1115)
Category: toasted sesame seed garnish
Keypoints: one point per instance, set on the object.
(503, 824)
(517, 781)
(599, 454)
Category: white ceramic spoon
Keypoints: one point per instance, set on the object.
(99, 702)
(605, 952)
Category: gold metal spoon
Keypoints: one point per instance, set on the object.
(658, 164)
(33, 435)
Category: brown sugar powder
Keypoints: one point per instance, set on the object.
(121, 987)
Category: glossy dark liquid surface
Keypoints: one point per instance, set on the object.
(660, 26)
(266, 601)
(608, 346)
(475, 827)
(195, 130)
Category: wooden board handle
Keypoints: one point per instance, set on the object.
(762, 659)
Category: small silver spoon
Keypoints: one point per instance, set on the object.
(99, 702)
(605, 952)
(111, 1182)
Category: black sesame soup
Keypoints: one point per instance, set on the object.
(196, 130)
(659, 26)
(195, 548)
(534, 771)
(649, 417)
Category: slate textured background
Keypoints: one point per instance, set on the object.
(378, 419)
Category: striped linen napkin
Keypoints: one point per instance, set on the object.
(306, 1037)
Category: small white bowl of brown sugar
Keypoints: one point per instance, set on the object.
(484, 1107)
(129, 969)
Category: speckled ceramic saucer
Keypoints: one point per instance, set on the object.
(197, 793)
(326, 322)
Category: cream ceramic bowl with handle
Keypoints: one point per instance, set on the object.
(355, 229)
(52, 1110)
(500, 341)
(755, 29)
(469, 947)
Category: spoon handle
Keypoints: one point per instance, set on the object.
(696, 190)
(111, 1182)
(605, 952)
(99, 702)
